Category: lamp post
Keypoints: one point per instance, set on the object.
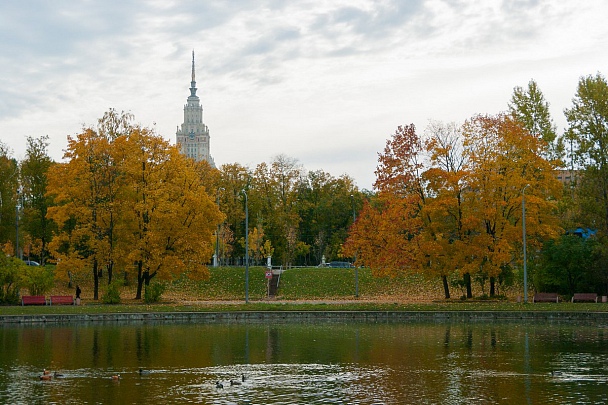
(17, 206)
(246, 247)
(352, 199)
(523, 223)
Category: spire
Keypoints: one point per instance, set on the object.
(193, 82)
(193, 79)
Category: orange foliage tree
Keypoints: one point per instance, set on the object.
(451, 205)
(386, 232)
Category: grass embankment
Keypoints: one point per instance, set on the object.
(316, 289)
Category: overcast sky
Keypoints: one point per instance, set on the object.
(324, 82)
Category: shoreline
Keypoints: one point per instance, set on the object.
(309, 316)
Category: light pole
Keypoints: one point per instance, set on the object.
(17, 206)
(246, 247)
(523, 223)
(352, 199)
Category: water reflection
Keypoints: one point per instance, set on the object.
(306, 363)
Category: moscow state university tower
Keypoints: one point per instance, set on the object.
(193, 136)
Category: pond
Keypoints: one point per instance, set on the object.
(311, 363)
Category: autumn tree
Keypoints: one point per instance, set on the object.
(385, 236)
(447, 218)
(34, 170)
(503, 160)
(85, 188)
(168, 220)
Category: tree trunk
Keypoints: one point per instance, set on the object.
(492, 286)
(95, 280)
(110, 268)
(467, 281)
(140, 279)
(446, 287)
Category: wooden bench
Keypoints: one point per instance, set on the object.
(588, 297)
(61, 300)
(545, 297)
(33, 300)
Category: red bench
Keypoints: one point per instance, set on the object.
(61, 300)
(589, 297)
(545, 297)
(33, 300)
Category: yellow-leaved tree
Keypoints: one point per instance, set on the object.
(505, 161)
(168, 219)
(127, 199)
(85, 189)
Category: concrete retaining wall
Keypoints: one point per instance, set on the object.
(312, 316)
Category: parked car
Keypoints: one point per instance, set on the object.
(31, 263)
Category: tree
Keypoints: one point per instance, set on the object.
(385, 235)
(448, 219)
(168, 221)
(504, 158)
(325, 206)
(588, 133)
(529, 107)
(568, 265)
(234, 178)
(9, 184)
(85, 189)
(273, 197)
(127, 198)
(34, 170)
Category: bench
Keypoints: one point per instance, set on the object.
(545, 297)
(61, 300)
(589, 297)
(33, 300)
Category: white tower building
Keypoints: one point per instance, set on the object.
(193, 136)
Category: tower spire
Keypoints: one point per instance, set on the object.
(193, 82)
(193, 79)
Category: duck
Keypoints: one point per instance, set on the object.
(219, 385)
(46, 377)
(115, 377)
(46, 372)
(57, 375)
(235, 382)
(143, 372)
(243, 378)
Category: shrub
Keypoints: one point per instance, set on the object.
(112, 294)
(37, 279)
(10, 281)
(153, 292)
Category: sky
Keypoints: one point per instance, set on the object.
(323, 82)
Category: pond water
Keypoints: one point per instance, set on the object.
(314, 363)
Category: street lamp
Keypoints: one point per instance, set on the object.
(523, 222)
(352, 199)
(17, 206)
(246, 247)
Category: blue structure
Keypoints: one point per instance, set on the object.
(584, 233)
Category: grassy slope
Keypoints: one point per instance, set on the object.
(300, 289)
